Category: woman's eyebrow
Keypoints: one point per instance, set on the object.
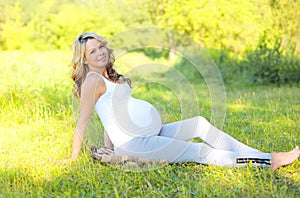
(92, 48)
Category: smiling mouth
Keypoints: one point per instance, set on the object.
(102, 58)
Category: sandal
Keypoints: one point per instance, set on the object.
(107, 155)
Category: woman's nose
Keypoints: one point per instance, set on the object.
(100, 51)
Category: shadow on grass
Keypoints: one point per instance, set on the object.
(92, 179)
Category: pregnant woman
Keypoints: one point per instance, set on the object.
(134, 126)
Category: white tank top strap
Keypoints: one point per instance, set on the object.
(101, 76)
(92, 72)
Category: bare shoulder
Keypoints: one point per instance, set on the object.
(92, 80)
(93, 83)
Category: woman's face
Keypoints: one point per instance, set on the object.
(96, 55)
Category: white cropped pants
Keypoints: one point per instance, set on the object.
(172, 145)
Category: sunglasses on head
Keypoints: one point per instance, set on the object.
(83, 37)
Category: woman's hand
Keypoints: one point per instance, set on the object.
(64, 161)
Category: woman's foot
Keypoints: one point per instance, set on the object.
(284, 158)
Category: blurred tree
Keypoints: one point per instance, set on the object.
(14, 34)
(230, 25)
(215, 24)
(286, 21)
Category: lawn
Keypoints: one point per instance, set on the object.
(37, 124)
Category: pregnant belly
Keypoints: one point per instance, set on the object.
(138, 118)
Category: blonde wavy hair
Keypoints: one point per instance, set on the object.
(80, 69)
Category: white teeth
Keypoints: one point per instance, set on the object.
(102, 58)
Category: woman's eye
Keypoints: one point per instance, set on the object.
(92, 51)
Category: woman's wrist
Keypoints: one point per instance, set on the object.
(74, 156)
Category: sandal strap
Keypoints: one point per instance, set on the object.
(107, 155)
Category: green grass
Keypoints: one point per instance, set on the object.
(37, 125)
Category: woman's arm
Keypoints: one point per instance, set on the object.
(91, 90)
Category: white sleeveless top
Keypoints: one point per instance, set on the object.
(125, 117)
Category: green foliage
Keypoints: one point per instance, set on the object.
(269, 64)
(286, 18)
(228, 25)
(154, 53)
(230, 66)
(233, 31)
(223, 25)
(14, 33)
(52, 24)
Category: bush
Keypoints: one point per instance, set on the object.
(268, 63)
(228, 64)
